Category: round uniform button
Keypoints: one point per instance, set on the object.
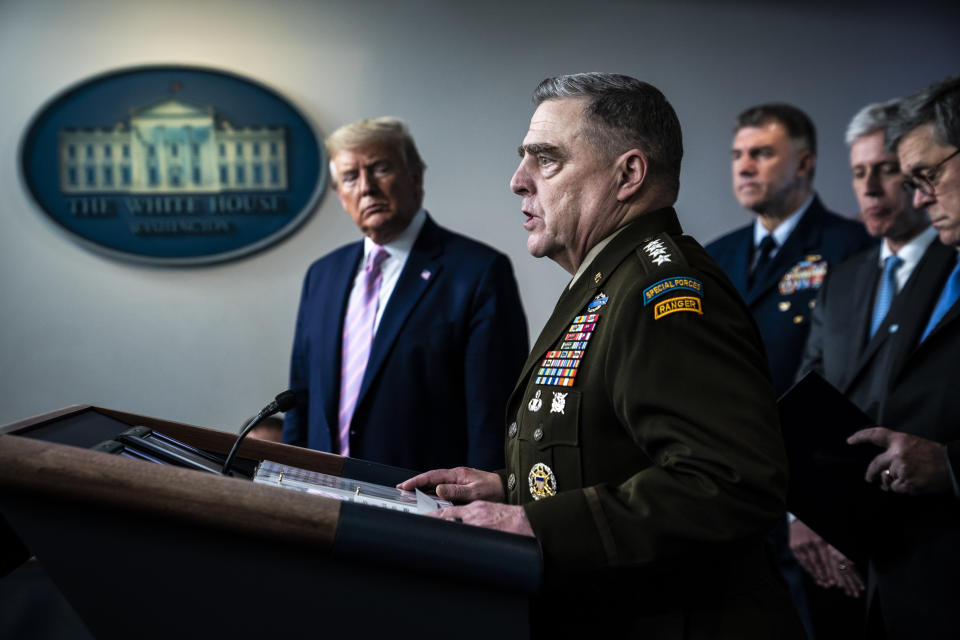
(512, 481)
(513, 430)
(538, 434)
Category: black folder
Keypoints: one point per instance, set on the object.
(827, 489)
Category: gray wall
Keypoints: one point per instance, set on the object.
(210, 345)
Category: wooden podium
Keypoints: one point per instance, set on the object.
(142, 550)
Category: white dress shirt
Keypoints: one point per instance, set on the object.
(910, 253)
(780, 234)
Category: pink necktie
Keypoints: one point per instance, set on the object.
(356, 340)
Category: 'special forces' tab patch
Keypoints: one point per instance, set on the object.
(543, 483)
(667, 285)
(673, 305)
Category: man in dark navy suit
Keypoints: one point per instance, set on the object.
(906, 380)
(408, 342)
(849, 325)
(778, 262)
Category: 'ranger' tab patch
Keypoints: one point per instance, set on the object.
(673, 305)
(667, 285)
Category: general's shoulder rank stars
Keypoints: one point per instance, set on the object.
(657, 251)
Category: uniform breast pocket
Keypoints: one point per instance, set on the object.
(796, 308)
(553, 440)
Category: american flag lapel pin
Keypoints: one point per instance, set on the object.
(425, 274)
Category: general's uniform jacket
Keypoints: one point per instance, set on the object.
(783, 294)
(643, 443)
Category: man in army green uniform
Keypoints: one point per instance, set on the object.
(642, 444)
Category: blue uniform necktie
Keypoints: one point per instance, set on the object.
(951, 291)
(888, 289)
(765, 248)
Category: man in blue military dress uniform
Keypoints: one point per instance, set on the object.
(780, 260)
(778, 263)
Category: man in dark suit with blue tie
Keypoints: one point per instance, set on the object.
(906, 380)
(779, 262)
(850, 324)
(407, 343)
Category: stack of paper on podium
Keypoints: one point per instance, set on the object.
(346, 489)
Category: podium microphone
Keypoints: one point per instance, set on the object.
(283, 402)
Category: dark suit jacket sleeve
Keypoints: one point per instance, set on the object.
(953, 457)
(813, 350)
(296, 420)
(495, 351)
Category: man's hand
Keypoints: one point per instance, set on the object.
(910, 464)
(492, 515)
(827, 566)
(460, 485)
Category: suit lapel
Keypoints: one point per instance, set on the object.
(425, 259)
(741, 260)
(798, 245)
(858, 300)
(936, 266)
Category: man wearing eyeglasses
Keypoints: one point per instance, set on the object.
(910, 388)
